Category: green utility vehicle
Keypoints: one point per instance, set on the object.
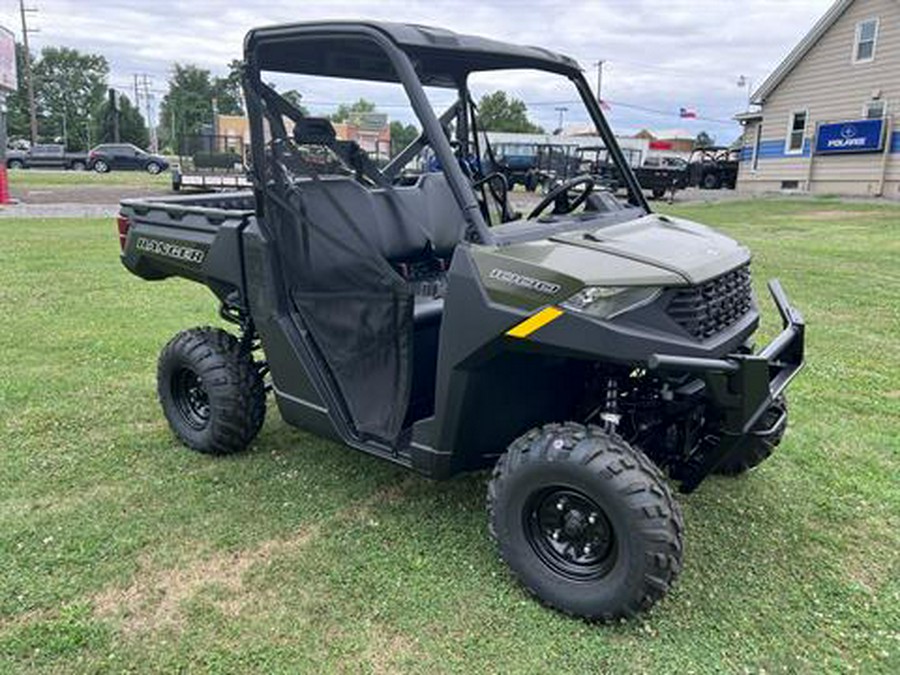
(582, 353)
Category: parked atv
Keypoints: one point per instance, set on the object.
(581, 353)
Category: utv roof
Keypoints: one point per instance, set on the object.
(351, 49)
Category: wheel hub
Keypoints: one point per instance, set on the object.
(191, 398)
(570, 533)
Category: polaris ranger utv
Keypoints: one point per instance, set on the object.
(582, 352)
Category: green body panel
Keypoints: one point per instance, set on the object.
(653, 250)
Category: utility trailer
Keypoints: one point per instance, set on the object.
(212, 163)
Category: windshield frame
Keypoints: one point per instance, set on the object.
(406, 61)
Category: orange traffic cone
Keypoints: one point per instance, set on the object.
(4, 186)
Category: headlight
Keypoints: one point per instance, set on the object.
(606, 302)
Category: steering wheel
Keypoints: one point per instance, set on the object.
(492, 181)
(560, 196)
(496, 184)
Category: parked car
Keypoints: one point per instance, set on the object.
(46, 156)
(124, 157)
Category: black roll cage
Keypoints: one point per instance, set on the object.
(432, 125)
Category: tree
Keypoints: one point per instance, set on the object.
(132, 128)
(401, 136)
(704, 140)
(69, 88)
(344, 111)
(18, 120)
(188, 105)
(498, 112)
(295, 98)
(228, 90)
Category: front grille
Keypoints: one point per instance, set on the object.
(711, 307)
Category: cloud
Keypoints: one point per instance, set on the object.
(658, 54)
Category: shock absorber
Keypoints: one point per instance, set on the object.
(610, 414)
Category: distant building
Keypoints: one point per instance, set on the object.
(825, 118)
(371, 130)
(677, 141)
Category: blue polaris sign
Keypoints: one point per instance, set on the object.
(859, 136)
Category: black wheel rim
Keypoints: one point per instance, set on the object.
(570, 533)
(191, 398)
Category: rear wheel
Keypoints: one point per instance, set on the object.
(659, 193)
(77, 165)
(101, 166)
(211, 391)
(585, 521)
(711, 181)
(15, 164)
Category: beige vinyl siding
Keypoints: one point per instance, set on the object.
(831, 87)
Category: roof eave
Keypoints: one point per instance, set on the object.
(798, 52)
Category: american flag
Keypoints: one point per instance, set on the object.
(687, 113)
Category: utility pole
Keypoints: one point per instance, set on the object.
(562, 110)
(32, 110)
(599, 65)
(114, 107)
(744, 81)
(148, 103)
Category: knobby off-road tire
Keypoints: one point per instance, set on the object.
(211, 391)
(761, 447)
(568, 490)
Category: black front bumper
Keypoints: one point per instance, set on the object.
(743, 386)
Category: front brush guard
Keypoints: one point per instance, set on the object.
(742, 386)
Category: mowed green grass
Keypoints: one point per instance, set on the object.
(39, 178)
(122, 551)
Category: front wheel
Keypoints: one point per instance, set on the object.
(585, 521)
(211, 391)
(153, 168)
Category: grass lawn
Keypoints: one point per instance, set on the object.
(38, 178)
(120, 550)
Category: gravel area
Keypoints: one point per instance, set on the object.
(74, 201)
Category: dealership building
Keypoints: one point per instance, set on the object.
(826, 115)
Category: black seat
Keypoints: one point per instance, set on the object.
(402, 223)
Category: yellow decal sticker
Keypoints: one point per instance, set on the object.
(535, 321)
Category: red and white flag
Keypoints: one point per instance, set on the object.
(687, 113)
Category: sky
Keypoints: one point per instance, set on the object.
(659, 55)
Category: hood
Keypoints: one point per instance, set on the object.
(693, 252)
(652, 250)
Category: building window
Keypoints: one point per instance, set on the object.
(874, 110)
(796, 132)
(755, 164)
(864, 45)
